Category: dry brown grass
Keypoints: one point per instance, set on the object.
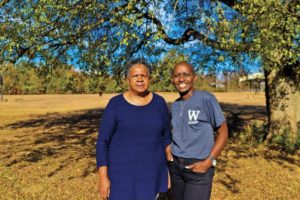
(47, 150)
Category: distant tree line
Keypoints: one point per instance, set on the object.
(24, 78)
(33, 78)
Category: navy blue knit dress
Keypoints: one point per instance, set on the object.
(131, 142)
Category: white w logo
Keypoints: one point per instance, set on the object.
(193, 115)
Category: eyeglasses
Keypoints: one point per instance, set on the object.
(184, 75)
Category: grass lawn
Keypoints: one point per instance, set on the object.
(47, 150)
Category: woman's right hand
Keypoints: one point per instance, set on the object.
(104, 183)
(104, 188)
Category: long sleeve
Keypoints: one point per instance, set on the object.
(167, 128)
(106, 131)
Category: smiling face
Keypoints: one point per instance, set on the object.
(183, 78)
(138, 79)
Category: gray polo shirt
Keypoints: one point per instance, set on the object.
(193, 125)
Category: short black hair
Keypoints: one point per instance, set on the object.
(185, 64)
(135, 62)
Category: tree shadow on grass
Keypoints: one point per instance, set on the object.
(69, 136)
(237, 116)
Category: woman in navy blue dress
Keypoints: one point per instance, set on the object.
(132, 140)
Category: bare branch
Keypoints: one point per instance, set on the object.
(3, 3)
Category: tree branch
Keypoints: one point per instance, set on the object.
(229, 3)
(190, 34)
(3, 3)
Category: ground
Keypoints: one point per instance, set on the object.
(47, 150)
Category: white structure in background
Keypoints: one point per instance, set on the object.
(255, 81)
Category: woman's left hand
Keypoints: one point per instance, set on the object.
(200, 167)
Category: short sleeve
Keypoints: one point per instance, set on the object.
(215, 112)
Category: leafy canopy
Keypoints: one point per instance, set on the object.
(99, 35)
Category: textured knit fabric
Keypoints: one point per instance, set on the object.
(131, 143)
(194, 121)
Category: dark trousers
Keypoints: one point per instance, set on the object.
(189, 185)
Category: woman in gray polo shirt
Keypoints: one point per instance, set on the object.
(193, 152)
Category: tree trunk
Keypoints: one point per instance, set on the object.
(282, 100)
(1, 87)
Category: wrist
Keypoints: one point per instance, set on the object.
(103, 172)
(213, 160)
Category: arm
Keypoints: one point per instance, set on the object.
(203, 166)
(169, 158)
(104, 183)
(222, 132)
(106, 131)
(168, 140)
(167, 133)
(169, 153)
